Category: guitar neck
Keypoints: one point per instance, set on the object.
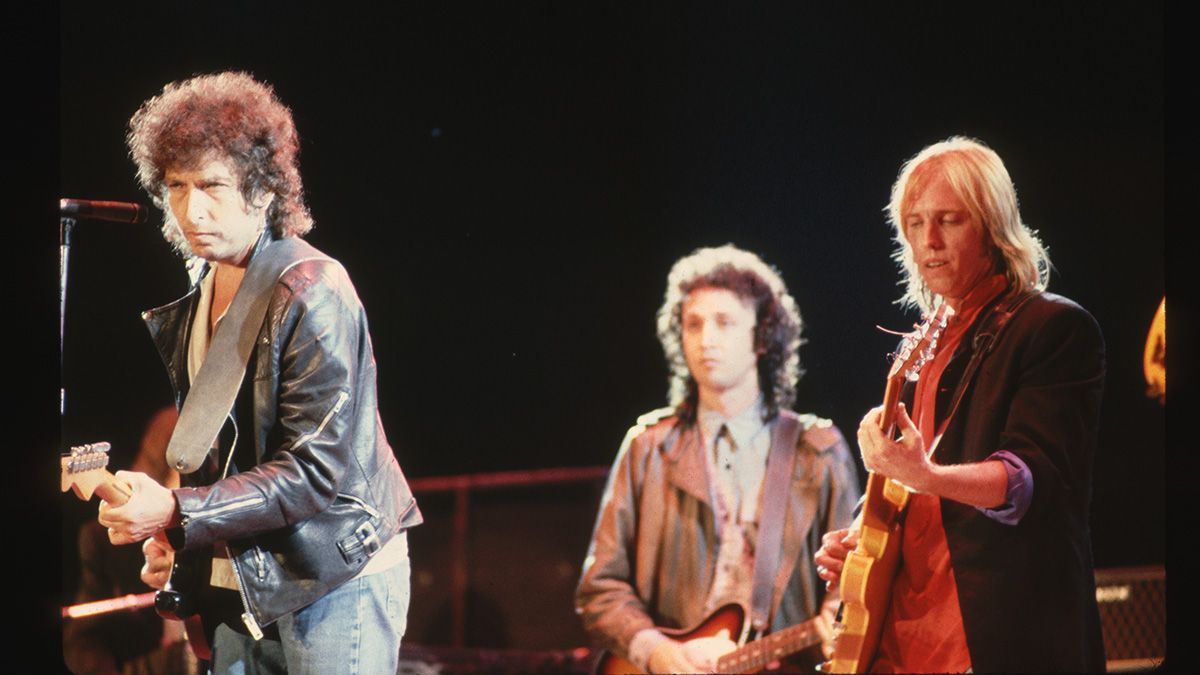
(869, 570)
(113, 490)
(85, 477)
(755, 656)
(884, 495)
(891, 403)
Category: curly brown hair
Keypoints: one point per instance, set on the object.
(230, 116)
(776, 329)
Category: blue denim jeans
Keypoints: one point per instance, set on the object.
(355, 629)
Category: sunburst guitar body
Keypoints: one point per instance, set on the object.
(731, 621)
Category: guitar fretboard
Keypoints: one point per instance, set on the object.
(757, 654)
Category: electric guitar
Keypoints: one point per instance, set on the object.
(84, 471)
(870, 569)
(750, 658)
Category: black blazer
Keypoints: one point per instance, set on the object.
(1027, 591)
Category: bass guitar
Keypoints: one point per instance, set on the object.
(870, 569)
(84, 471)
(750, 658)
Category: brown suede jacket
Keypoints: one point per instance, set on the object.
(654, 548)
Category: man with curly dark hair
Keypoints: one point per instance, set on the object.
(684, 524)
(294, 522)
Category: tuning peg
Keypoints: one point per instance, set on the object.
(89, 456)
(101, 446)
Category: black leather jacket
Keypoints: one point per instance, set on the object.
(325, 491)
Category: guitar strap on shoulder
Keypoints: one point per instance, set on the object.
(981, 345)
(775, 494)
(212, 394)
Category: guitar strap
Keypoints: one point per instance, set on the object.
(981, 345)
(212, 394)
(775, 493)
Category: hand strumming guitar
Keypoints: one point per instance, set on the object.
(159, 559)
(835, 546)
(698, 655)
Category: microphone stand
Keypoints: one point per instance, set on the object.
(65, 226)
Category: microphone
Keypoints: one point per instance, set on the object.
(117, 212)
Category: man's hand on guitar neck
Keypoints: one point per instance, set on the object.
(906, 461)
(150, 508)
(903, 460)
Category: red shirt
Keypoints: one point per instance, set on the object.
(923, 631)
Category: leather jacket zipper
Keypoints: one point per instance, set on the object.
(247, 617)
(337, 407)
(233, 506)
(360, 504)
(258, 563)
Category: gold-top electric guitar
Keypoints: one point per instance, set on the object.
(84, 470)
(750, 658)
(870, 569)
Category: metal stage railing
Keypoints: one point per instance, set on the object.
(461, 486)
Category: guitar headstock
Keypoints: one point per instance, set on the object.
(916, 348)
(84, 469)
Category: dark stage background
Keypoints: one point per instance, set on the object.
(509, 188)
